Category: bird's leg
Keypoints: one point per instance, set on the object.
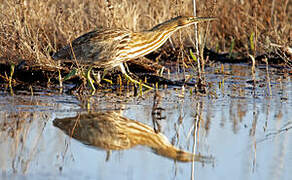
(96, 77)
(126, 67)
(131, 79)
(108, 154)
(90, 80)
(129, 73)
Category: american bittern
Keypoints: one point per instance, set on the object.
(111, 131)
(113, 47)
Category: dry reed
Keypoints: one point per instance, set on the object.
(33, 30)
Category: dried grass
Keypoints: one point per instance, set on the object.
(32, 30)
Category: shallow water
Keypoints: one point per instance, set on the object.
(245, 128)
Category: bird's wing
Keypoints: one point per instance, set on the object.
(96, 47)
(76, 46)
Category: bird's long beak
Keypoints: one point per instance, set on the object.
(200, 19)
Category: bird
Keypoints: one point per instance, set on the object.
(109, 48)
(109, 130)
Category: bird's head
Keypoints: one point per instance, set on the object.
(182, 21)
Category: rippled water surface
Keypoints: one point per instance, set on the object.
(241, 131)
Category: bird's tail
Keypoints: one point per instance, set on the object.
(64, 53)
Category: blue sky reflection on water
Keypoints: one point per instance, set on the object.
(249, 137)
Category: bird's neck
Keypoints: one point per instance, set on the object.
(154, 40)
(145, 42)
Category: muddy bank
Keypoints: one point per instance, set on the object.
(152, 69)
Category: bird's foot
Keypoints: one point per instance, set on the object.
(90, 81)
(137, 82)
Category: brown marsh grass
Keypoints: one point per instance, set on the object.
(33, 30)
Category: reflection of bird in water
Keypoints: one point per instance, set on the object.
(113, 47)
(111, 131)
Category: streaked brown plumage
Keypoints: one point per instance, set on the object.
(109, 48)
(111, 131)
(113, 47)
